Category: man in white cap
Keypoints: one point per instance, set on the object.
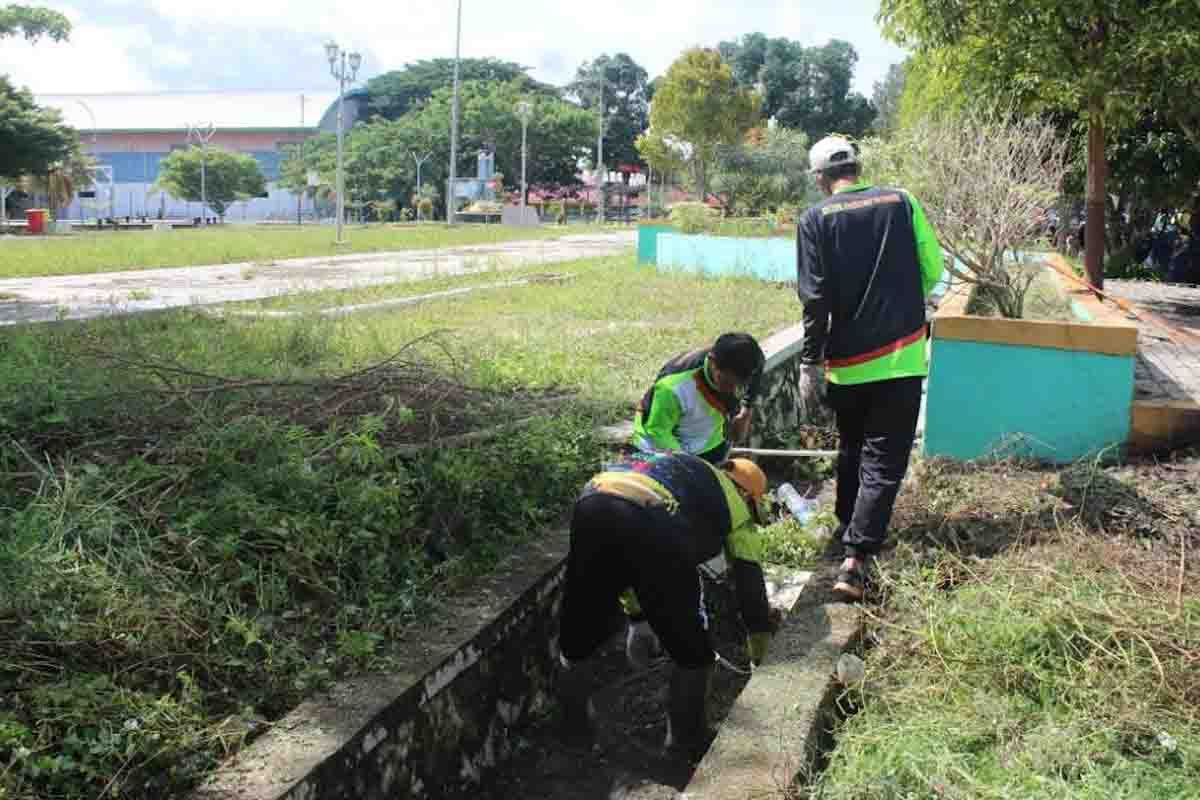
(867, 258)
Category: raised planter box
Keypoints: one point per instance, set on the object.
(769, 258)
(1054, 391)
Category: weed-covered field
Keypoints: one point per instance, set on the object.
(1039, 637)
(234, 244)
(205, 518)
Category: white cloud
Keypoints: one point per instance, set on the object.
(551, 35)
(96, 59)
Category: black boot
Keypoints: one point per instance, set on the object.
(574, 698)
(687, 710)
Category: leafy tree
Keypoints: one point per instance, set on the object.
(228, 177)
(768, 171)
(1103, 59)
(394, 94)
(626, 94)
(59, 180)
(804, 88)
(32, 138)
(379, 154)
(699, 103)
(886, 97)
(33, 23)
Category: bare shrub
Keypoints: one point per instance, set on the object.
(985, 178)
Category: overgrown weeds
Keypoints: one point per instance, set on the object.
(1061, 660)
(206, 519)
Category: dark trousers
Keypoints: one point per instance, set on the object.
(615, 544)
(876, 425)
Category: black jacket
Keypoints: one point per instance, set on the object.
(859, 276)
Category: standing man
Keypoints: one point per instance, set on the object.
(702, 399)
(648, 524)
(867, 258)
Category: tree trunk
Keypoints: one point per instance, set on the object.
(1096, 201)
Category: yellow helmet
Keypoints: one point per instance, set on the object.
(746, 474)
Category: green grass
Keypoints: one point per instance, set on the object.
(604, 333)
(197, 550)
(131, 250)
(1062, 665)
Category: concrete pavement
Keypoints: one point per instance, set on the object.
(26, 300)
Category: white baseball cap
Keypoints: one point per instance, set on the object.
(832, 151)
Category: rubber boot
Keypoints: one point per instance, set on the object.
(687, 710)
(574, 699)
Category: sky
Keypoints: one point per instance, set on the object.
(159, 45)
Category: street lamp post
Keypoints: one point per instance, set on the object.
(600, 172)
(202, 134)
(343, 67)
(450, 210)
(419, 161)
(524, 111)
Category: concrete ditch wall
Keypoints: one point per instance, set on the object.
(436, 726)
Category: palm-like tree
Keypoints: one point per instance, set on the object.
(61, 179)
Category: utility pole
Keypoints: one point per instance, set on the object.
(524, 111)
(450, 210)
(202, 134)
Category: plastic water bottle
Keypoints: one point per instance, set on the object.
(800, 507)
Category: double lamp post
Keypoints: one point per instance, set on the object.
(344, 68)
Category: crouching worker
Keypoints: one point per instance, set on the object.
(647, 524)
(702, 399)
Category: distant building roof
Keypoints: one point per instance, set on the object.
(272, 109)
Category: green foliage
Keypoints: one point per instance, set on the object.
(193, 562)
(694, 217)
(32, 138)
(218, 583)
(626, 102)
(33, 23)
(228, 177)
(1040, 675)
(766, 172)
(1060, 53)
(1099, 62)
(379, 153)
(396, 93)
(700, 103)
(787, 543)
(805, 88)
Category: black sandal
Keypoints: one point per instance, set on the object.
(851, 584)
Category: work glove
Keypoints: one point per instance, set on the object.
(740, 428)
(811, 392)
(756, 647)
(641, 644)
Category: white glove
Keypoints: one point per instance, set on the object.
(811, 395)
(641, 644)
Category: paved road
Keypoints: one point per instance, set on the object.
(24, 300)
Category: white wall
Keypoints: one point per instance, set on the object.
(138, 200)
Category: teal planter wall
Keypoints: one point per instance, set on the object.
(769, 259)
(986, 399)
(647, 244)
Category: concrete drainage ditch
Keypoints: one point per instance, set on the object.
(468, 712)
(474, 719)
